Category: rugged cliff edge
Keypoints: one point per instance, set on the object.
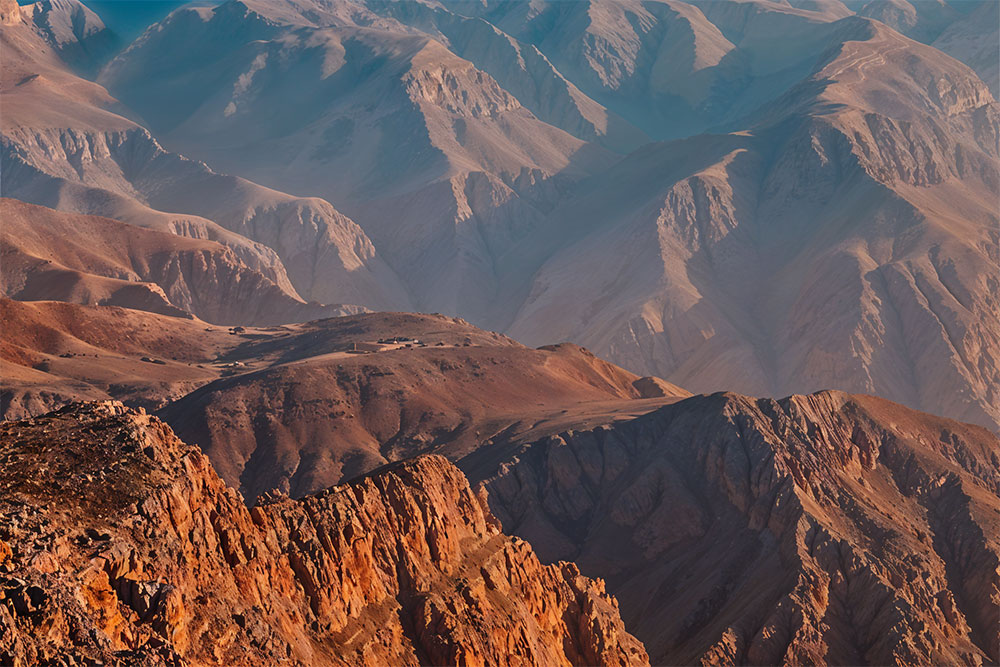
(119, 543)
(821, 529)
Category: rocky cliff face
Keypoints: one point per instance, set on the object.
(822, 529)
(120, 543)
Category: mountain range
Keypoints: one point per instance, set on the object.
(654, 181)
(606, 332)
(829, 529)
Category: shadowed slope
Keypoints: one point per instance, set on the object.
(822, 529)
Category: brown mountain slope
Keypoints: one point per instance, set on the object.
(53, 255)
(318, 413)
(292, 406)
(134, 551)
(822, 529)
(53, 352)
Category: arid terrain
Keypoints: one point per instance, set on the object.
(654, 181)
(822, 529)
(529, 332)
(826, 529)
(303, 406)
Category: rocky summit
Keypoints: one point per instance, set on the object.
(120, 545)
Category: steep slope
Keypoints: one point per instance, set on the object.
(67, 144)
(823, 529)
(75, 32)
(848, 240)
(120, 544)
(320, 412)
(50, 255)
(975, 40)
(442, 167)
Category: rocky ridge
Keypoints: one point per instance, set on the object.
(120, 543)
(821, 529)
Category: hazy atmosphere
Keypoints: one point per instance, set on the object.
(488, 332)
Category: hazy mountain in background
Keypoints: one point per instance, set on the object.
(975, 40)
(55, 256)
(828, 220)
(129, 19)
(444, 168)
(73, 30)
(848, 238)
(67, 144)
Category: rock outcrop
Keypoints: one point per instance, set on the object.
(120, 543)
(822, 529)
